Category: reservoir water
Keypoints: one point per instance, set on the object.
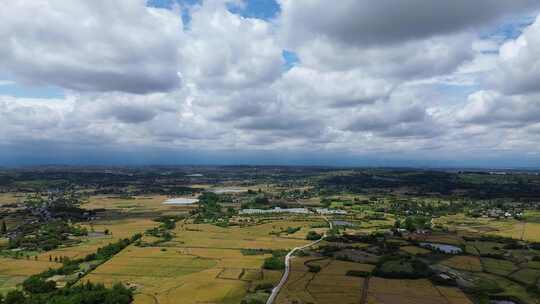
(449, 249)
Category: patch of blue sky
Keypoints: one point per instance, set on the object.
(511, 29)
(261, 9)
(168, 4)
(9, 88)
(457, 91)
(291, 59)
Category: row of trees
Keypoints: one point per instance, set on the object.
(42, 292)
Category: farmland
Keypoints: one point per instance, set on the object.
(384, 246)
(202, 259)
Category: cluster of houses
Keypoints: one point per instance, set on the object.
(330, 211)
(499, 213)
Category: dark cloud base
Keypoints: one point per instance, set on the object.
(16, 156)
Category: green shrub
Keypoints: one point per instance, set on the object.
(358, 273)
(313, 236)
(274, 263)
(36, 284)
(314, 268)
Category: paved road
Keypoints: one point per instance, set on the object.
(285, 276)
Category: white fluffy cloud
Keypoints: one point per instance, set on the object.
(96, 45)
(519, 64)
(513, 96)
(226, 51)
(494, 108)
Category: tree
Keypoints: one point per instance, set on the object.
(314, 268)
(313, 236)
(409, 224)
(35, 284)
(274, 263)
(3, 228)
(15, 297)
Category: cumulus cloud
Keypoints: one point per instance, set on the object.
(519, 64)
(511, 99)
(494, 108)
(397, 41)
(401, 117)
(412, 59)
(226, 51)
(311, 86)
(365, 23)
(91, 45)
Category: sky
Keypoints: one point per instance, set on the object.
(417, 83)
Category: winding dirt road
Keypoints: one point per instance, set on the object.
(288, 257)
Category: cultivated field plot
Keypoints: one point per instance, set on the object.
(214, 276)
(510, 288)
(517, 230)
(135, 205)
(388, 291)
(10, 198)
(528, 229)
(415, 250)
(14, 271)
(330, 285)
(442, 239)
(259, 236)
(202, 264)
(484, 248)
(118, 229)
(498, 267)
(463, 262)
(526, 276)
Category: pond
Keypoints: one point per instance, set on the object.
(180, 201)
(449, 249)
